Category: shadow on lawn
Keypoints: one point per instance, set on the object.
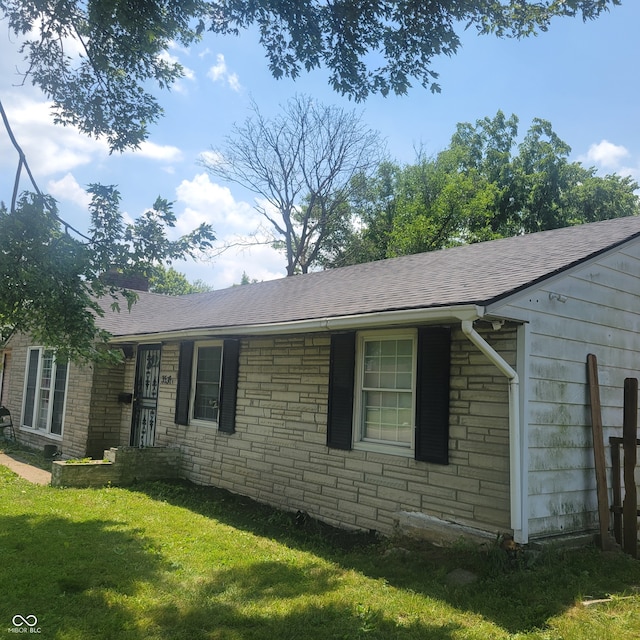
(519, 598)
(89, 579)
(228, 606)
(64, 572)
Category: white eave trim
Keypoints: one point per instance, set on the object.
(336, 323)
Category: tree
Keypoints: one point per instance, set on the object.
(485, 185)
(302, 163)
(370, 222)
(173, 283)
(53, 284)
(54, 277)
(368, 47)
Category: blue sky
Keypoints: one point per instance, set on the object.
(582, 77)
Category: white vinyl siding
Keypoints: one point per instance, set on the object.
(592, 309)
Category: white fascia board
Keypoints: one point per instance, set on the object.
(339, 323)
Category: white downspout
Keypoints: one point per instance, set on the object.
(515, 466)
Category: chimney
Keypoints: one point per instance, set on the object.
(134, 282)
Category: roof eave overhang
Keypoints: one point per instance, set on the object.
(402, 317)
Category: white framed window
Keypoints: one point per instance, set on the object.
(205, 382)
(45, 392)
(385, 399)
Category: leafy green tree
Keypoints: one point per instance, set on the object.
(369, 222)
(486, 149)
(173, 283)
(485, 185)
(245, 279)
(53, 284)
(367, 47)
(595, 198)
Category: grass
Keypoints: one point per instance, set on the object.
(173, 561)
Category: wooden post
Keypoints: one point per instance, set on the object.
(629, 438)
(598, 453)
(616, 489)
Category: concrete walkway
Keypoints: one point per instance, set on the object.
(25, 470)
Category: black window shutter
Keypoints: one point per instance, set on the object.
(341, 388)
(432, 401)
(229, 386)
(184, 382)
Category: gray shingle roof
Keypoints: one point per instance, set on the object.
(472, 274)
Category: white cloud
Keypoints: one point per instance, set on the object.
(50, 149)
(162, 153)
(187, 72)
(220, 73)
(612, 158)
(127, 218)
(67, 188)
(210, 158)
(233, 221)
(606, 154)
(207, 201)
(234, 82)
(259, 262)
(218, 70)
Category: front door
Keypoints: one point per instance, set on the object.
(145, 400)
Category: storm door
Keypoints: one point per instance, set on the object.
(145, 400)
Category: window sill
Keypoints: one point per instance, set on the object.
(403, 452)
(42, 433)
(208, 424)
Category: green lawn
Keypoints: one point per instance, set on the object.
(166, 561)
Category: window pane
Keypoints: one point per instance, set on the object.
(405, 348)
(43, 409)
(207, 385)
(372, 348)
(404, 401)
(387, 380)
(403, 381)
(372, 380)
(30, 394)
(47, 368)
(44, 396)
(58, 398)
(388, 364)
(387, 415)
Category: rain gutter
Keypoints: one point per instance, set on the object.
(402, 317)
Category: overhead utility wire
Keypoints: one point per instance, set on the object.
(22, 162)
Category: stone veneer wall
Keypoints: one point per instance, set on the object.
(278, 454)
(126, 410)
(122, 466)
(105, 415)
